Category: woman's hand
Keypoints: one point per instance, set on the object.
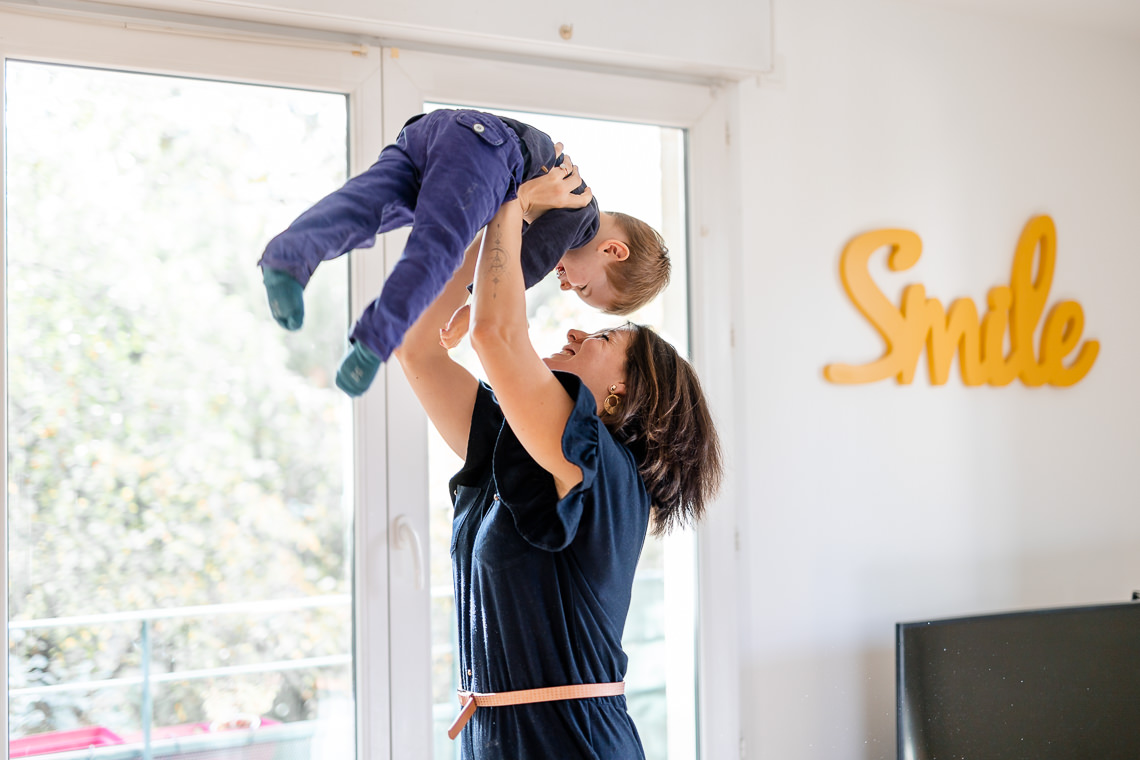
(554, 189)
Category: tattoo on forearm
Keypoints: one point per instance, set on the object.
(498, 260)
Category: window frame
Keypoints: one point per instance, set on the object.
(331, 66)
(708, 115)
(384, 85)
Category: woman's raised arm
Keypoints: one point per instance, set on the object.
(535, 404)
(444, 388)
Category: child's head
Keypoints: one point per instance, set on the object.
(623, 268)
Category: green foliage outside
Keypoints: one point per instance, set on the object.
(169, 445)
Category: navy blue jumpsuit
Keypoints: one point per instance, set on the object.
(446, 176)
(542, 585)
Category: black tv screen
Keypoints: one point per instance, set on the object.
(1054, 684)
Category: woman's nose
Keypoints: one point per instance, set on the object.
(575, 336)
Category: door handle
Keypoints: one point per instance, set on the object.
(405, 536)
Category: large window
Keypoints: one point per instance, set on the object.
(179, 510)
(210, 551)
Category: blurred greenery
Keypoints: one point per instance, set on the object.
(169, 445)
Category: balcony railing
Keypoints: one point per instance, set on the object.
(146, 679)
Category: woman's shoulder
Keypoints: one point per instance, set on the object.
(587, 441)
(611, 495)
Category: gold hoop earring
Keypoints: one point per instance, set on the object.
(611, 402)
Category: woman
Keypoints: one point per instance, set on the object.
(566, 465)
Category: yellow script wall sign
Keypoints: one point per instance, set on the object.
(920, 321)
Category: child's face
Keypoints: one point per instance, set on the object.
(583, 270)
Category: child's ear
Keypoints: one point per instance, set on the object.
(616, 248)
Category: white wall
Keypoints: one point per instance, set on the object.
(728, 38)
(881, 503)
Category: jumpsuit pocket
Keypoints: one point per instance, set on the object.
(467, 499)
(484, 125)
(498, 544)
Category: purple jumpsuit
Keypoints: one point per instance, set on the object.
(446, 176)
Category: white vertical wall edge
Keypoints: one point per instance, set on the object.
(409, 628)
(4, 386)
(715, 290)
(374, 723)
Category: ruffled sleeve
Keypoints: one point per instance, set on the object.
(528, 491)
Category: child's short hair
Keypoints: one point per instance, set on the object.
(638, 279)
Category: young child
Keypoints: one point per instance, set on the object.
(446, 176)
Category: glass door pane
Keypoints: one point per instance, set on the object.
(637, 169)
(180, 513)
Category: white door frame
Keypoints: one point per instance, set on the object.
(708, 115)
(384, 87)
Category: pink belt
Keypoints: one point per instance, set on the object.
(469, 700)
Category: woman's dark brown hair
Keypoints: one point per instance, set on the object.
(664, 420)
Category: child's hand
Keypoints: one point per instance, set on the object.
(553, 190)
(450, 336)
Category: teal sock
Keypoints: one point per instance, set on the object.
(285, 298)
(357, 370)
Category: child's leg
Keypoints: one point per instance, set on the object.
(469, 172)
(379, 199)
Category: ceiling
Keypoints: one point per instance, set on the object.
(1119, 17)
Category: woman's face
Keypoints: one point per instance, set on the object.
(597, 358)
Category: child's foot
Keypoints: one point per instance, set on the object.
(285, 298)
(357, 370)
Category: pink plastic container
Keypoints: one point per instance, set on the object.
(62, 741)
